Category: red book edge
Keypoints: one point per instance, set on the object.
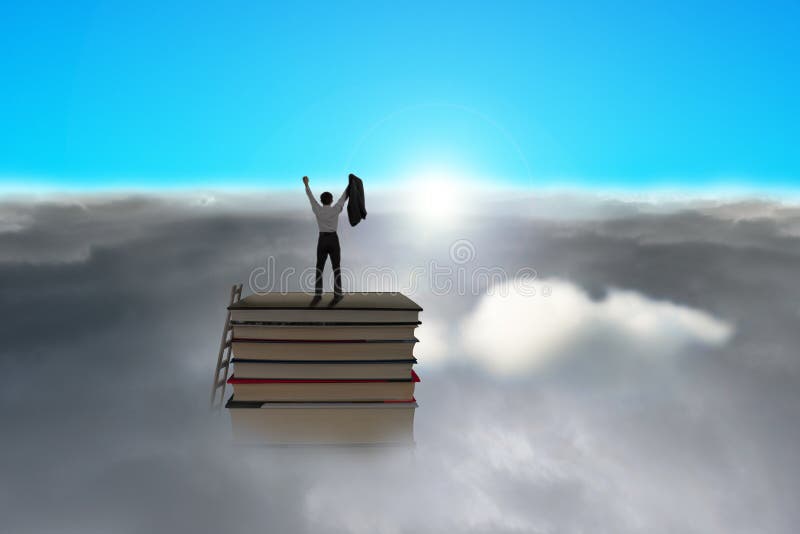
(281, 340)
(234, 380)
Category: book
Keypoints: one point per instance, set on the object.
(321, 390)
(332, 423)
(354, 307)
(309, 371)
(322, 332)
(313, 369)
(378, 349)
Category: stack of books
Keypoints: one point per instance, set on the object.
(310, 371)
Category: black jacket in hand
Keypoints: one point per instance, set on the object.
(356, 207)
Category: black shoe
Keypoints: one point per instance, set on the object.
(315, 300)
(337, 297)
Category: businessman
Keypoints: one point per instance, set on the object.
(327, 215)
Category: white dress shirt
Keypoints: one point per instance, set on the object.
(327, 216)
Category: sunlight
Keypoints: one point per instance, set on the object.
(441, 197)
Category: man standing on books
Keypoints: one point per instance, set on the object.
(328, 242)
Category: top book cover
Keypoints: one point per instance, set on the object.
(288, 308)
(350, 301)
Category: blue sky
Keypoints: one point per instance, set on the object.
(624, 95)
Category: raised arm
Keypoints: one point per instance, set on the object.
(314, 204)
(340, 202)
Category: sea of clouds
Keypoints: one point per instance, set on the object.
(646, 379)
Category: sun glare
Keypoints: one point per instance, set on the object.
(440, 197)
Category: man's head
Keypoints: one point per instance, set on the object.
(326, 198)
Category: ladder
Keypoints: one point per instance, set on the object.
(224, 356)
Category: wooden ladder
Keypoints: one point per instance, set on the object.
(224, 356)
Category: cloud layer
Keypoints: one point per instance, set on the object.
(654, 390)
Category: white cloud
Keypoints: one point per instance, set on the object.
(434, 341)
(512, 331)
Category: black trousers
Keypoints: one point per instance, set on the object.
(328, 244)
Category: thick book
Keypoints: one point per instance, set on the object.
(331, 423)
(302, 307)
(318, 390)
(276, 349)
(333, 369)
(322, 332)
